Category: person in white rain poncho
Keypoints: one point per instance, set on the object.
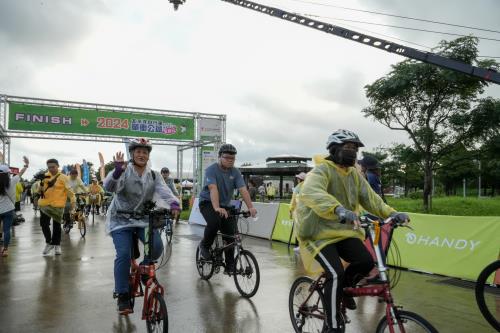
(133, 184)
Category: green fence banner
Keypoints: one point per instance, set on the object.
(283, 225)
(457, 246)
(57, 119)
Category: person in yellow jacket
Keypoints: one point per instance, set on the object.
(19, 193)
(95, 196)
(328, 224)
(54, 191)
(300, 181)
(270, 191)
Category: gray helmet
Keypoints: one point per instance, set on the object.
(342, 136)
(138, 143)
(228, 149)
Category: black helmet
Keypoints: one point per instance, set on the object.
(138, 143)
(342, 136)
(228, 149)
(369, 162)
(164, 170)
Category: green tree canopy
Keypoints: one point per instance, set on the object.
(433, 105)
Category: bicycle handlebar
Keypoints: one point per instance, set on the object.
(142, 213)
(367, 221)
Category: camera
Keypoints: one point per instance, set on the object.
(40, 176)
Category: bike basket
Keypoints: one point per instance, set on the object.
(159, 221)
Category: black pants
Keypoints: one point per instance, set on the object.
(354, 252)
(53, 238)
(215, 223)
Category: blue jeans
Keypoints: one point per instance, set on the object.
(7, 218)
(122, 239)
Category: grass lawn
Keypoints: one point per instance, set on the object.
(457, 206)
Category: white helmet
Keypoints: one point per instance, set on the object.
(342, 136)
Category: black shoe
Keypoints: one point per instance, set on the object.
(204, 252)
(349, 302)
(229, 269)
(123, 304)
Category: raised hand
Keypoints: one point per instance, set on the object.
(118, 157)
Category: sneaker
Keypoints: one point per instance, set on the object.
(204, 252)
(349, 302)
(47, 249)
(123, 304)
(58, 250)
(229, 269)
(4, 252)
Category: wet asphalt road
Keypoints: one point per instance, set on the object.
(73, 292)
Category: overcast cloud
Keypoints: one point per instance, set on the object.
(283, 87)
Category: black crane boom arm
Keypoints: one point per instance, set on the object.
(409, 52)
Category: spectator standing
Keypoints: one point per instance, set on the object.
(7, 199)
(54, 191)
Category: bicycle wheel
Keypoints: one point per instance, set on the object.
(246, 274)
(82, 225)
(488, 294)
(93, 214)
(66, 227)
(168, 231)
(205, 267)
(157, 315)
(306, 307)
(406, 322)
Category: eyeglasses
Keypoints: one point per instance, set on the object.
(229, 158)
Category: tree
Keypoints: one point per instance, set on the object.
(433, 105)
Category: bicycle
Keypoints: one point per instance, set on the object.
(93, 200)
(35, 203)
(78, 217)
(106, 201)
(306, 299)
(488, 294)
(169, 227)
(246, 272)
(154, 309)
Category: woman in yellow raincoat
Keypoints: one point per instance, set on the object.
(327, 218)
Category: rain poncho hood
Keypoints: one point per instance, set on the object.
(326, 187)
(131, 192)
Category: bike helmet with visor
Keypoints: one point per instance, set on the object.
(227, 148)
(139, 143)
(341, 136)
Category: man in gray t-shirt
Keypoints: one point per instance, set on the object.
(221, 179)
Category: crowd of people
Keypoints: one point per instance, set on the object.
(325, 206)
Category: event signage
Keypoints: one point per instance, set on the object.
(459, 246)
(284, 225)
(210, 129)
(58, 119)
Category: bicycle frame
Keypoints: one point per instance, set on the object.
(149, 269)
(236, 243)
(378, 288)
(137, 271)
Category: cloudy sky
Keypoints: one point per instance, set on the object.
(284, 87)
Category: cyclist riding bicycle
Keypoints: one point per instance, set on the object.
(77, 186)
(221, 179)
(327, 218)
(165, 173)
(133, 184)
(95, 196)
